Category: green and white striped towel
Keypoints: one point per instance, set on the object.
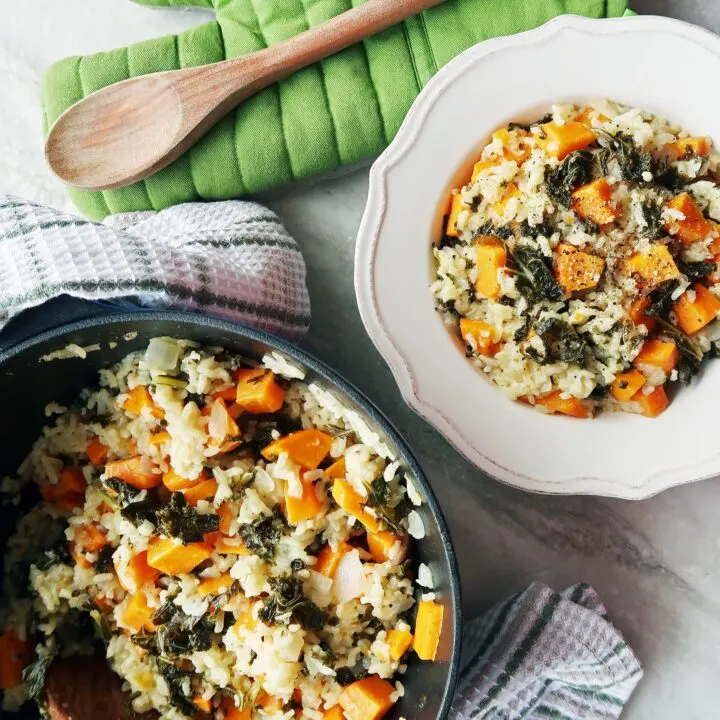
(542, 655)
(232, 259)
(539, 655)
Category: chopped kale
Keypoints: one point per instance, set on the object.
(535, 279)
(574, 171)
(388, 501)
(561, 340)
(344, 676)
(665, 175)
(446, 240)
(714, 351)
(57, 555)
(661, 300)
(533, 231)
(691, 355)
(519, 126)
(179, 520)
(120, 491)
(104, 559)
(297, 565)
(522, 332)
(142, 510)
(178, 635)
(695, 270)
(489, 229)
(632, 160)
(286, 601)
(652, 211)
(219, 601)
(601, 391)
(174, 677)
(35, 675)
(262, 536)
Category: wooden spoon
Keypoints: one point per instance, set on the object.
(85, 688)
(129, 130)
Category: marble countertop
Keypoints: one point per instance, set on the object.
(656, 563)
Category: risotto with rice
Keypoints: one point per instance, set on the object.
(579, 262)
(233, 537)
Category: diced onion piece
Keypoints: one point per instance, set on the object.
(162, 354)
(350, 580)
(415, 525)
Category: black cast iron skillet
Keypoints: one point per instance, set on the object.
(27, 384)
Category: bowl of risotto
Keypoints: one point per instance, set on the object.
(200, 521)
(538, 260)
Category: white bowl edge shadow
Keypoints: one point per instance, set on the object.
(414, 386)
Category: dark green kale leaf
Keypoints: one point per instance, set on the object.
(632, 160)
(286, 601)
(35, 676)
(104, 559)
(533, 231)
(695, 271)
(389, 502)
(179, 635)
(120, 491)
(574, 171)
(665, 175)
(600, 392)
(174, 677)
(535, 279)
(652, 211)
(140, 511)
(179, 520)
(561, 340)
(661, 300)
(489, 229)
(262, 536)
(691, 354)
(219, 601)
(524, 330)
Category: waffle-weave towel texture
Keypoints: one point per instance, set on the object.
(231, 259)
(542, 655)
(340, 111)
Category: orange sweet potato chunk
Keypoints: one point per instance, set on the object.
(367, 699)
(490, 256)
(658, 353)
(482, 333)
(577, 270)
(637, 313)
(694, 227)
(627, 384)
(258, 391)
(329, 559)
(654, 403)
(554, 403)
(428, 626)
(97, 452)
(172, 558)
(137, 471)
(456, 207)
(307, 448)
(303, 508)
(354, 504)
(138, 399)
(594, 202)
(652, 268)
(399, 641)
(560, 140)
(693, 315)
(698, 146)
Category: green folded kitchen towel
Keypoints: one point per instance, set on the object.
(340, 111)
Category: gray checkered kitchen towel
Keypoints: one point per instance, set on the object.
(230, 259)
(539, 655)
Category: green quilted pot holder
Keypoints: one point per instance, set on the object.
(342, 110)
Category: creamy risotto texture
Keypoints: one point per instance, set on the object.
(232, 538)
(579, 261)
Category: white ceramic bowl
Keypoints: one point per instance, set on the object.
(661, 65)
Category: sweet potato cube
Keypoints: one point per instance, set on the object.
(329, 559)
(90, 537)
(490, 257)
(202, 491)
(303, 508)
(15, 654)
(174, 482)
(173, 558)
(337, 469)
(654, 403)
(307, 448)
(553, 402)
(577, 270)
(139, 399)
(380, 544)
(216, 585)
(481, 165)
(560, 140)
(399, 641)
(367, 699)
(627, 384)
(652, 268)
(698, 146)
(594, 202)
(258, 391)
(637, 313)
(428, 627)
(694, 227)
(479, 336)
(138, 573)
(137, 614)
(334, 713)
(456, 207)
(138, 471)
(354, 504)
(658, 353)
(97, 452)
(693, 315)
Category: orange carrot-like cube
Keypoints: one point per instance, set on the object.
(329, 559)
(577, 270)
(337, 469)
(175, 483)
(428, 627)
(399, 640)
(693, 315)
(173, 558)
(652, 268)
(334, 713)
(138, 399)
(560, 140)
(305, 507)
(594, 202)
(367, 699)
(202, 704)
(227, 512)
(553, 402)
(138, 471)
(658, 353)
(627, 384)
(202, 491)
(69, 491)
(481, 333)
(481, 165)
(258, 391)
(456, 207)
(698, 146)
(15, 654)
(694, 227)
(159, 437)
(637, 313)
(137, 614)
(354, 504)
(490, 257)
(90, 537)
(138, 572)
(307, 448)
(380, 544)
(97, 452)
(654, 403)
